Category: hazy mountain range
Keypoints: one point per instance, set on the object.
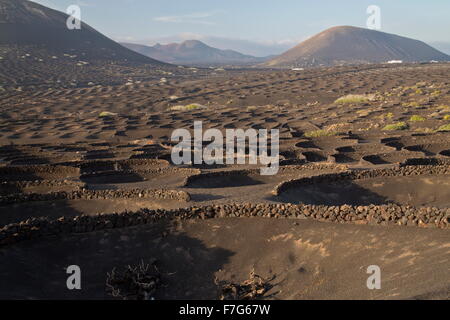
(441, 46)
(24, 24)
(194, 52)
(253, 48)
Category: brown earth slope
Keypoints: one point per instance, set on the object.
(24, 23)
(349, 45)
(37, 48)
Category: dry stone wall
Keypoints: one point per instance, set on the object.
(373, 215)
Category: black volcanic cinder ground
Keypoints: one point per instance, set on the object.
(86, 176)
(352, 45)
(46, 130)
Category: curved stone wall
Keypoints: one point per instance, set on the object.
(96, 194)
(245, 172)
(402, 170)
(374, 215)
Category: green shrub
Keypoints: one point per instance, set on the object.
(320, 133)
(425, 130)
(411, 104)
(106, 114)
(192, 106)
(444, 128)
(436, 93)
(417, 118)
(396, 126)
(355, 98)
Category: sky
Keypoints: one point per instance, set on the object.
(258, 27)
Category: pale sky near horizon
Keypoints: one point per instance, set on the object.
(269, 22)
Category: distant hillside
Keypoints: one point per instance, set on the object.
(441, 46)
(193, 52)
(352, 45)
(25, 23)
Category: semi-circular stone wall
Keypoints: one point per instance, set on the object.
(402, 170)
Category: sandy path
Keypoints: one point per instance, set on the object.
(310, 260)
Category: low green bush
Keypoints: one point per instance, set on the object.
(396, 126)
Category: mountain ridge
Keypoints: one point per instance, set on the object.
(353, 45)
(26, 23)
(193, 52)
